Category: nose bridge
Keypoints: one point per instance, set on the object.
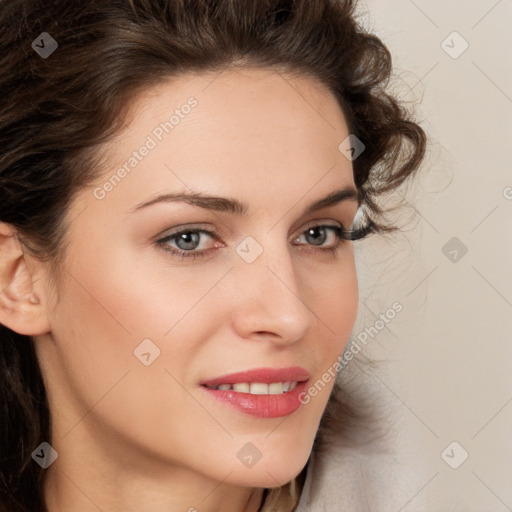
(270, 297)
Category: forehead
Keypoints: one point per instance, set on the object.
(236, 104)
(242, 87)
(227, 131)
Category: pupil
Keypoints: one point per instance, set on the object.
(315, 239)
(185, 237)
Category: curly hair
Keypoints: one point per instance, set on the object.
(56, 112)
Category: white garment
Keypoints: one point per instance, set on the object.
(361, 479)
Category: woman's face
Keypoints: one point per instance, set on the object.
(138, 328)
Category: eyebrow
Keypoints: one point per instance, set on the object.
(235, 207)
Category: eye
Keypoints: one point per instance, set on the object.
(318, 235)
(186, 243)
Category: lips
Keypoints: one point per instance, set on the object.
(272, 392)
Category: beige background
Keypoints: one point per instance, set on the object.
(449, 351)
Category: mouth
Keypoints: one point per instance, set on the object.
(262, 392)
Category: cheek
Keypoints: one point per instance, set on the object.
(336, 306)
(335, 302)
(101, 319)
(110, 306)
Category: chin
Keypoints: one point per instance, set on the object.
(273, 471)
(262, 478)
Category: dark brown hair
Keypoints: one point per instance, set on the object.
(56, 112)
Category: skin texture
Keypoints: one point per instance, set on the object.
(132, 437)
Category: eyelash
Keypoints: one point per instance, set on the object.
(340, 232)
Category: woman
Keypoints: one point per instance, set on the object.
(180, 183)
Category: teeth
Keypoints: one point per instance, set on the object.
(243, 387)
(276, 388)
(259, 388)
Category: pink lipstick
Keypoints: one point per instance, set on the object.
(261, 392)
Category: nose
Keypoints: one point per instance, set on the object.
(269, 302)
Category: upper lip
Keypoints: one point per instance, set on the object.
(263, 375)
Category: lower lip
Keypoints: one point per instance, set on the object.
(261, 406)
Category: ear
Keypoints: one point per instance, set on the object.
(22, 298)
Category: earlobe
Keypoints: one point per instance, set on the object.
(21, 307)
